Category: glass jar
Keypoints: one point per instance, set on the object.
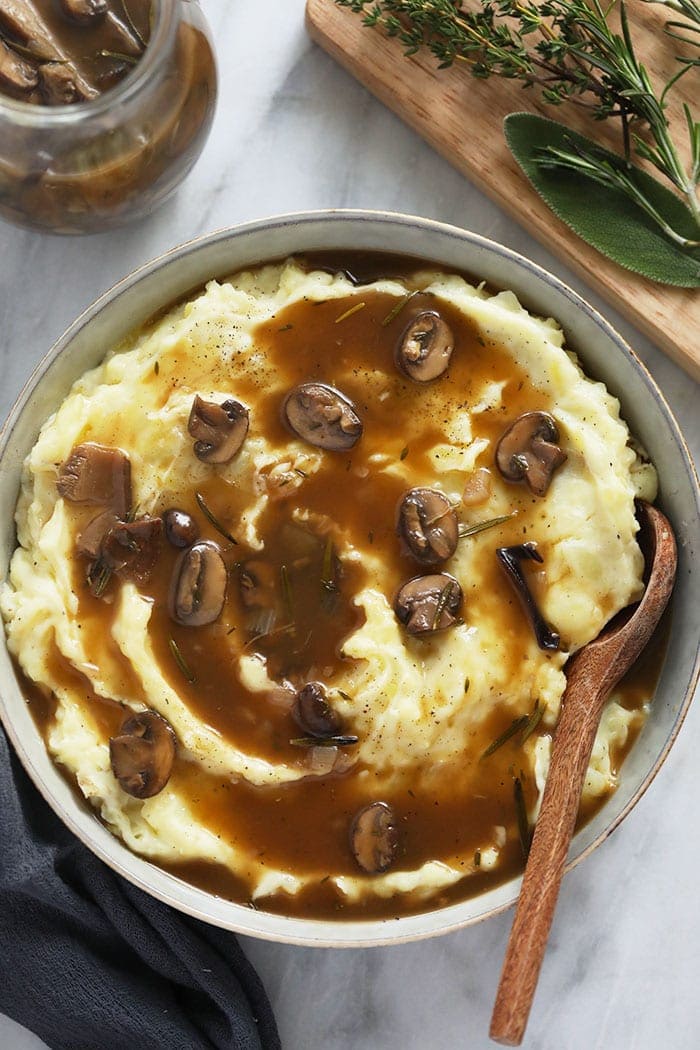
(90, 166)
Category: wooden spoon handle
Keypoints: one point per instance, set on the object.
(545, 866)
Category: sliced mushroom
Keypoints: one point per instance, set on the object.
(97, 474)
(90, 540)
(424, 350)
(510, 559)
(17, 77)
(429, 603)
(374, 838)
(324, 417)
(219, 430)
(181, 530)
(59, 85)
(198, 587)
(313, 714)
(428, 525)
(142, 755)
(528, 451)
(132, 548)
(24, 23)
(83, 12)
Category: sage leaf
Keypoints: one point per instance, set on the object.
(604, 217)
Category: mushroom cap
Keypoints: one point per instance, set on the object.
(198, 585)
(313, 714)
(528, 451)
(427, 604)
(143, 753)
(322, 416)
(424, 350)
(374, 838)
(427, 523)
(181, 530)
(219, 429)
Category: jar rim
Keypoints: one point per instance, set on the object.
(31, 115)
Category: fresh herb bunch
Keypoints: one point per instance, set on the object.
(569, 51)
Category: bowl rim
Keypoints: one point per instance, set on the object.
(267, 925)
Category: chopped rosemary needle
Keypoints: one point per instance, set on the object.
(98, 577)
(132, 26)
(327, 572)
(477, 858)
(396, 310)
(481, 526)
(348, 313)
(300, 472)
(181, 662)
(324, 741)
(404, 453)
(515, 727)
(442, 602)
(285, 328)
(212, 519)
(130, 60)
(287, 628)
(524, 830)
(467, 683)
(156, 368)
(344, 696)
(532, 722)
(287, 592)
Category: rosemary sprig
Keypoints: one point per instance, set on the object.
(213, 520)
(569, 50)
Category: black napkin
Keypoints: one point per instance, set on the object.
(88, 961)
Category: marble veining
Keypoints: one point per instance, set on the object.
(292, 132)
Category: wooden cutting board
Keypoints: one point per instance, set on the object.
(462, 118)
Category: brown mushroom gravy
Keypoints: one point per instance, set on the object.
(71, 50)
(292, 603)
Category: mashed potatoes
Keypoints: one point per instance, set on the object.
(425, 710)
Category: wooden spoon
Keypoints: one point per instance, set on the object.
(592, 674)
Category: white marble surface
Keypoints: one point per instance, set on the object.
(292, 132)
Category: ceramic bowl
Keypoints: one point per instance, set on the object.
(604, 355)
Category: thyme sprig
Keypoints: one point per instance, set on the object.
(571, 52)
